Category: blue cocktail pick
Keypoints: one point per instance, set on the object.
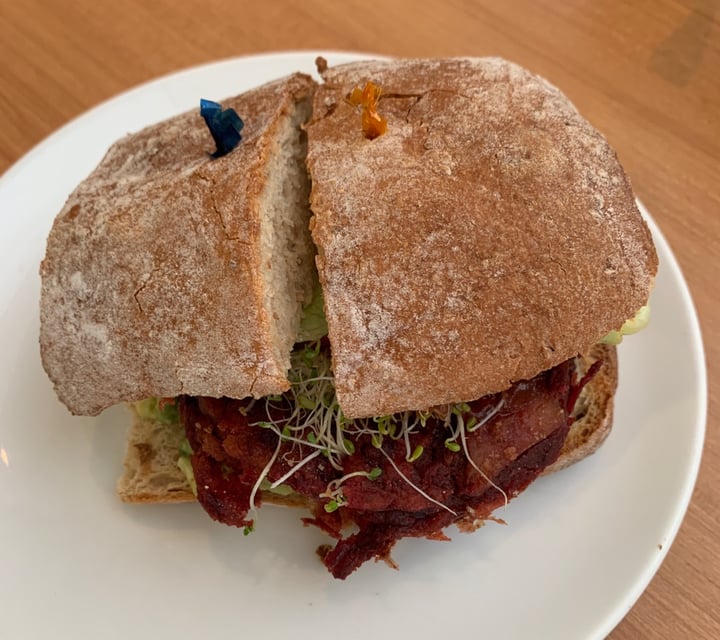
(224, 124)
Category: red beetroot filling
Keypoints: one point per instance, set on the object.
(230, 452)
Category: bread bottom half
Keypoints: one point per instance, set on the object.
(151, 473)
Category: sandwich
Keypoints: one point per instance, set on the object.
(394, 304)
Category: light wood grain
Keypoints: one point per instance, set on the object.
(647, 73)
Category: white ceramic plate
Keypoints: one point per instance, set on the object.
(579, 547)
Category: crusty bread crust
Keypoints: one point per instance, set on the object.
(490, 234)
(151, 282)
(152, 476)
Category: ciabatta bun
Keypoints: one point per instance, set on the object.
(488, 235)
(169, 271)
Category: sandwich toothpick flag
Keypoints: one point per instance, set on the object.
(224, 124)
(373, 124)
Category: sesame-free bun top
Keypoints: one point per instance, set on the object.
(488, 235)
(164, 272)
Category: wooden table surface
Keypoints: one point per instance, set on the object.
(646, 73)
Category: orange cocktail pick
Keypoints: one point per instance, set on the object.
(373, 124)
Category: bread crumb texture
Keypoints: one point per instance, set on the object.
(490, 234)
(151, 473)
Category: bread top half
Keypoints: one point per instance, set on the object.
(151, 282)
(488, 235)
